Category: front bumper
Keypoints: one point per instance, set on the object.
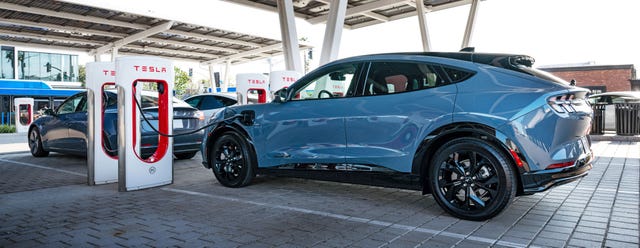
(538, 181)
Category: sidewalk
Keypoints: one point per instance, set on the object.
(13, 143)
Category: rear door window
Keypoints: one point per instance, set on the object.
(194, 101)
(396, 77)
(210, 102)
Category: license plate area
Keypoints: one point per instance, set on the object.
(177, 124)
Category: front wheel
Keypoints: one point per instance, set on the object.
(35, 144)
(231, 160)
(471, 179)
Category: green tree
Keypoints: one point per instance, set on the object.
(82, 75)
(181, 81)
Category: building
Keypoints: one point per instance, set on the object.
(47, 77)
(598, 78)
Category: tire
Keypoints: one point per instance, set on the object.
(185, 155)
(231, 160)
(471, 179)
(35, 144)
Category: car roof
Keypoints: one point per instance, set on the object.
(503, 60)
(229, 95)
(154, 94)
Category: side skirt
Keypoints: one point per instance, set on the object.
(372, 178)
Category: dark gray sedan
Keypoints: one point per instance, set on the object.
(65, 129)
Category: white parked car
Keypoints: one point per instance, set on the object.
(610, 99)
(209, 103)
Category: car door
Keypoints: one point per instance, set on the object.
(77, 125)
(57, 130)
(397, 107)
(309, 126)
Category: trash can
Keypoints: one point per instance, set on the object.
(628, 118)
(597, 123)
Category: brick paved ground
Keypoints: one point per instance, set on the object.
(45, 202)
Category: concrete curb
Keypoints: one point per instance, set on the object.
(614, 137)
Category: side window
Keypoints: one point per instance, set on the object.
(457, 75)
(110, 99)
(226, 101)
(339, 82)
(148, 101)
(395, 77)
(193, 102)
(70, 105)
(83, 105)
(210, 102)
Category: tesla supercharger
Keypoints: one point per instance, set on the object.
(24, 113)
(102, 161)
(252, 82)
(281, 79)
(134, 171)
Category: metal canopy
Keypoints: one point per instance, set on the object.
(360, 13)
(69, 26)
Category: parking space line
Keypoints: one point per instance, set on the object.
(352, 218)
(42, 167)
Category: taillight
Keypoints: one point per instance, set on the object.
(199, 114)
(564, 103)
(560, 165)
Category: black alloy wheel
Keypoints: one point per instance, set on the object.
(471, 179)
(35, 144)
(231, 160)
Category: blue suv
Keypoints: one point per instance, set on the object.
(473, 129)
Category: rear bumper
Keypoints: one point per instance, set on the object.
(542, 180)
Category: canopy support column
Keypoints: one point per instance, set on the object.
(289, 34)
(473, 12)
(424, 30)
(333, 31)
(224, 86)
(114, 54)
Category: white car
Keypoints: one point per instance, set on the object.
(209, 103)
(610, 99)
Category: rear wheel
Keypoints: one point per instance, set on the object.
(231, 161)
(471, 179)
(35, 144)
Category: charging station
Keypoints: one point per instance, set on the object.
(24, 113)
(252, 83)
(135, 172)
(102, 167)
(282, 79)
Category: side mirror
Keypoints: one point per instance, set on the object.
(49, 112)
(280, 96)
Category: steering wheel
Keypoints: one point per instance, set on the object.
(324, 91)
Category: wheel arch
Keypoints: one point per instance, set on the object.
(233, 127)
(33, 126)
(430, 144)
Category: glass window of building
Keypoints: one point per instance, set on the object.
(48, 66)
(7, 59)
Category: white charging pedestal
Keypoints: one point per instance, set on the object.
(134, 172)
(282, 79)
(252, 82)
(24, 113)
(102, 167)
